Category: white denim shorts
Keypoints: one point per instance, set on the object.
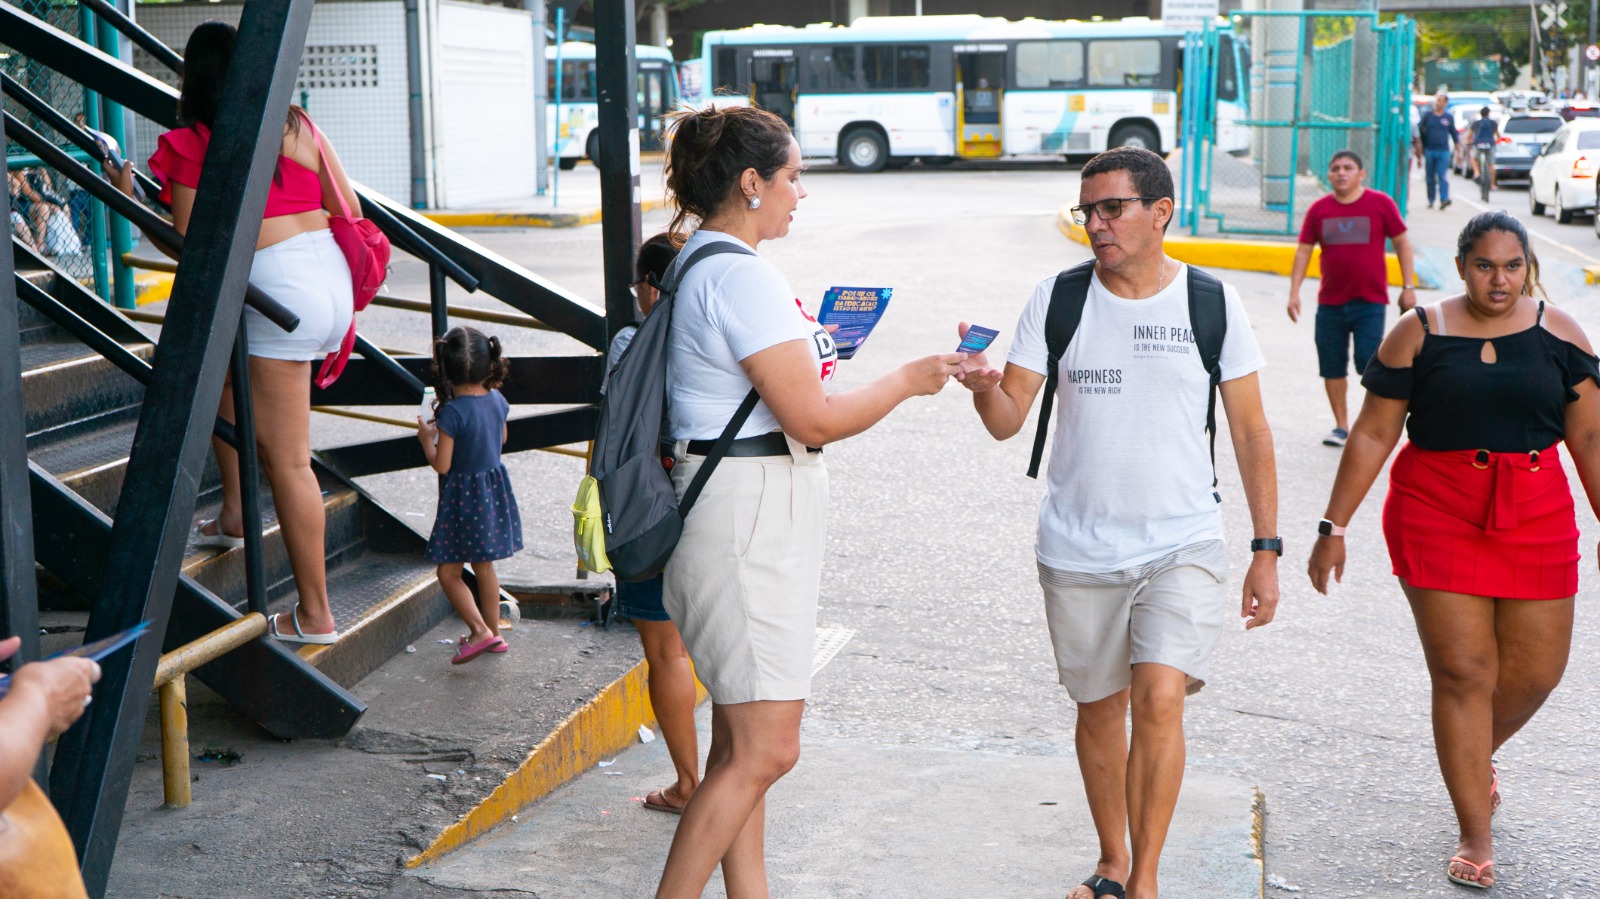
(742, 584)
(307, 273)
(1169, 611)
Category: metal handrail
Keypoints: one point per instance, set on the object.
(69, 129)
(402, 423)
(419, 246)
(158, 228)
(146, 41)
(467, 312)
(174, 699)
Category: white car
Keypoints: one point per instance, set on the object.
(1563, 175)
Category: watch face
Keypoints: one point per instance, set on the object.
(1325, 528)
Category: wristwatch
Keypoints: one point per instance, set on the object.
(1273, 543)
(1328, 529)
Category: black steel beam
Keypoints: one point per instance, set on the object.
(265, 680)
(52, 47)
(78, 299)
(19, 595)
(400, 453)
(39, 109)
(94, 760)
(614, 65)
(534, 381)
(146, 41)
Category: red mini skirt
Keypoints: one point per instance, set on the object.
(1484, 524)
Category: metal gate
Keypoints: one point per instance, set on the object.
(1316, 82)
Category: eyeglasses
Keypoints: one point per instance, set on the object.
(634, 287)
(1107, 209)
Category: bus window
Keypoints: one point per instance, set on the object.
(726, 77)
(577, 81)
(1227, 70)
(816, 73)
(1125, 63)
(877, 67)
(845, 76)
(1049, 64)
(912, 67)
(774, 76)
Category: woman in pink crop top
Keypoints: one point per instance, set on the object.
(298, 264)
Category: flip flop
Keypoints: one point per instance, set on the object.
(502, 646)
(1494, 790)
(199, 537)
(299, 636)
(466, 652)
(1477, 873)
(1105, 887)
(657, 802)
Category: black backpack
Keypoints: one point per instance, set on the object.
(1208, 316)
(641, 515)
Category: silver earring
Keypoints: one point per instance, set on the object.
(755, 202)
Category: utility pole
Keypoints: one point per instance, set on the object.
(1588, 64)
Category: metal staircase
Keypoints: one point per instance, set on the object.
(114, 417)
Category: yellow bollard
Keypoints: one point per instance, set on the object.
(175, 742)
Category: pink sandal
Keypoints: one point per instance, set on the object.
(466, 652)
(1477, 873)
(1494, 790)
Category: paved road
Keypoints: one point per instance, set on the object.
(930, 563)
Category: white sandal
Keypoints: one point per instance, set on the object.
(199, 537)
(299, 636)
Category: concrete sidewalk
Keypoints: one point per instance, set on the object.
(861, 820)
(572, 201)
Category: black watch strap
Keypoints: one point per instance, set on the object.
(1273, 543)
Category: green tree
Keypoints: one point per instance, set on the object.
(1480, 33)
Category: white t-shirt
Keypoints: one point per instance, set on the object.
(729, 307)
(1130, 472)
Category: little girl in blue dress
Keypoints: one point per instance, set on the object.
(477, 521)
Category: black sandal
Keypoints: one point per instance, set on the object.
(1105, 887)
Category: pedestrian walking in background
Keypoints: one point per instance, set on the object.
(1130, 544)
(742, 583)
(671, 675)
(1436, 139)
(477, 520)
(1479, 518)
(1352, 224)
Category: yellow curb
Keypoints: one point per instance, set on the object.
(1591, 274)
(151, 287)
(1242, 255)
(553, 219)
(603, 727)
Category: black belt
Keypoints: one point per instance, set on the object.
(770, 444)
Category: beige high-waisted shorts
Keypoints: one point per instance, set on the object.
(742, 584)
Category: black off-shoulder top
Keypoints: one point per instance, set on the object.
(1459, 402)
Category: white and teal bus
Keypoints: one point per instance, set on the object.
(889, 89)
(574, 123)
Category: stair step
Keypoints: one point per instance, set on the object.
(222, 571)
(382, 602)
(33, 325)
(64, 382)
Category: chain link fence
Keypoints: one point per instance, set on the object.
(1276, 95)
(48, 211)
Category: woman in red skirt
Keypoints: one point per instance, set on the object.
(1479, 517)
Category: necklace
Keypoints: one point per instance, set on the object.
(1161, 283)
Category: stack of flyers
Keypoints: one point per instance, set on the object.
(95, 651)
(977, 340)
(856, 311)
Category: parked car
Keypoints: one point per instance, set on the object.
(1563, 175)
(1523, 137)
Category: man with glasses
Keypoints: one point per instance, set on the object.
(1129, 547)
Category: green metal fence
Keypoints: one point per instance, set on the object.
(1318, 82)
(49, 212)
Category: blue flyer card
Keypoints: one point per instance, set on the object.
(96, 651)
(856, 311)
(977, 340)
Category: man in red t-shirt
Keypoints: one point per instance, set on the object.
(1352, 224)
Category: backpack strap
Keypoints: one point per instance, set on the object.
(742, 414)
(1061, 318)
(1208, 316)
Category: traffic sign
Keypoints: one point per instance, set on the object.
(1592, 52)
(1554, 15)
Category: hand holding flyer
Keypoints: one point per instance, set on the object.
(855, 312)
(977, 340)
(96, 651)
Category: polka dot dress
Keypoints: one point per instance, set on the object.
(477, 519)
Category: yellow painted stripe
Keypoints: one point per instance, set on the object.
(552, 219)
(1591, 274)
(151, 287)
(1241, 255)
(600, 729)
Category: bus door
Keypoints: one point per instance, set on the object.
(775, 82)
(980, 92)
(655, 101)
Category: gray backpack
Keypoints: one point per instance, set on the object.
(640, 516)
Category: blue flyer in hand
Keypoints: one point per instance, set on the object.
(856, 311)
(95, 651)
(977, 340)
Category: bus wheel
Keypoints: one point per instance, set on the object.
(863, 150)
(1136, 136)
(592, 147)
(567, 163)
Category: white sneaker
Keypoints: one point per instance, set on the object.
(1336, 437)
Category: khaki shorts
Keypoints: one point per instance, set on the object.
(1169, 612)
(742, 584)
